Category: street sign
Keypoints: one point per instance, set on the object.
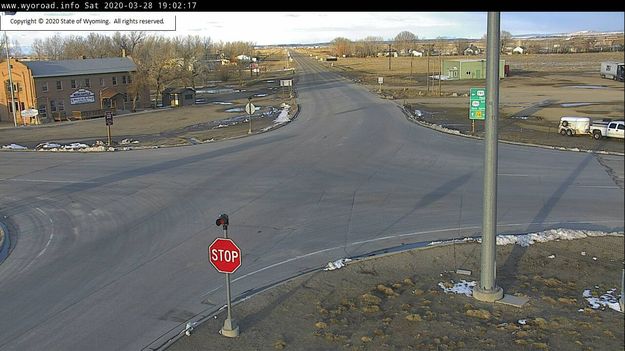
(250, 108)
(224, 255)
(286, 82)
(477, 101)
(380, 80)
(29, 112)
(108, 118)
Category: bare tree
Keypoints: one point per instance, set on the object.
(371, 45)
(405, 41)
(127, 42)
(341, 46)
(505, 39)
(461, 45)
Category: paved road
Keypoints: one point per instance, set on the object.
(110, 248)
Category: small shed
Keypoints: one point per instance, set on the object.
(469, 69)
(176, 97)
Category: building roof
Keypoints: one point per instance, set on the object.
(80, 67)
(177, 90)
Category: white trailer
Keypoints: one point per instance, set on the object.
(574, 126)
(612, 70)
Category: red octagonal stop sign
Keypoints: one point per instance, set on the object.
(225, 255)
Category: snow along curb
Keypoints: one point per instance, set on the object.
(5, 242)
(457, 132)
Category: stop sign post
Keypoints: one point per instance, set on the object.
(225, 256)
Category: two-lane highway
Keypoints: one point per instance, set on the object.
(110, 249)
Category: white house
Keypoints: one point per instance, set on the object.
(518, 50)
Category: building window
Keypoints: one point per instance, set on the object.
(44, 87)
(61, 106)
(59, 85)
(129, 80)
(123, 79)
(114, 80)
(101, 82)
(73, 83)
(42, 111)
(87, 83)
(52, 105)
(188, 97)
(125, 97)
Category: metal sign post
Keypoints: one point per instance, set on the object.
(108, 118)
(230, 328)
(250, 109)
(380, 81)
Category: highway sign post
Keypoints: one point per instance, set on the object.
(477, 105)
(225, 256)
(108, 119)
(250, 109)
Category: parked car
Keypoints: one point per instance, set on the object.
(614, 129)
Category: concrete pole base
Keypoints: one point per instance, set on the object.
(488, 295)
(230, 328)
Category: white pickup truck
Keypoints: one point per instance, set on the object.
(614, 129)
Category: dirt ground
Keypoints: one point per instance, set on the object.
(395, 302)
(539, 90)
(209, 121)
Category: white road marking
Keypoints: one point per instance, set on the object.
(47, 244)
(514, 175)
(44, 180)
(598, 186)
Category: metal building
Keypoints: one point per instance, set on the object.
(469, 69)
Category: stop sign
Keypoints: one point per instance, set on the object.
(224, 255)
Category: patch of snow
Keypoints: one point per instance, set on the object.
(283, 117)
(236, 109)
(586, 86)
(222, 126)
(526, 240)
(609, 299)
(222, 103)
(522, 321)
(551, 256)
(529, 239)
(418, 113)
(14, 147)
(583, 253)
(336, 264)
(74, 146)
(260, 95)
(575, 104)
(594, 258)
(48, 146)
(462, 287)
(463, 240)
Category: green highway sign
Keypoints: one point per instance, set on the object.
(477, 100)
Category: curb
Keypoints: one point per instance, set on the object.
(441, 129)
(5, 242)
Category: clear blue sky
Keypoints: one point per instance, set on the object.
(265, 28)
